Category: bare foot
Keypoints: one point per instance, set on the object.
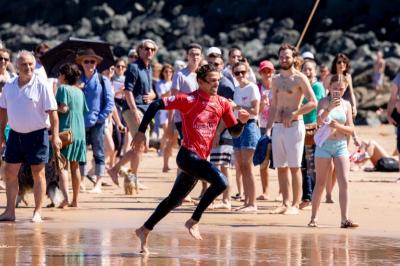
(37, 218)
(166, 169)
(113, 173)
(248, 209)
(95, 190)
(329, 199)
(193, 228)
(143, 233)
(7, 217)
(82, 188)
(279, 197)
(279, 210)
(291, 211)
(63, 204)
(73, 204)
(263, 197)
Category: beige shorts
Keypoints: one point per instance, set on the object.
(288, 144)
(131, 123)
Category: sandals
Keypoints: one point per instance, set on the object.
(349, 224)
(312, 223)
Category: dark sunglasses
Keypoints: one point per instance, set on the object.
(147, 49)
(340, 61)
(120, 66)
(89, 62)
(5, 59)
(237, 73)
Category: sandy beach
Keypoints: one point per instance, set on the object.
(100, 232)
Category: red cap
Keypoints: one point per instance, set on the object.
(265, 64)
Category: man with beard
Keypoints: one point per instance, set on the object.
(289, 88)
(201, 112)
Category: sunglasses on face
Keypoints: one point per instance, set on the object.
(238, 73)
(120, 66)
(340, 62)
(4, 59)
(148, 49)
(89, 62)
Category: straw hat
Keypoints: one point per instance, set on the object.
(87, 53)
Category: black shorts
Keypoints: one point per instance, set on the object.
(30, 148)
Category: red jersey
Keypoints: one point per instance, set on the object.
(201, 114)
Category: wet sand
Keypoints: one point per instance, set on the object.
(100, 232)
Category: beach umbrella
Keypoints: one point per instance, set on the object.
(67, 51)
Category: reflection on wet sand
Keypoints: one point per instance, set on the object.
(35, 245)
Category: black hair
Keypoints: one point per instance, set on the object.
(193, 46)
(203, 71)
(71, 73)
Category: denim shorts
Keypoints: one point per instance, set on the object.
(249, 137)
(30, 148)
(332, 148)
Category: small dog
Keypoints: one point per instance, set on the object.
(130, 182)
(25, 182)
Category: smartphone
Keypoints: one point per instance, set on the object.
(335, 94)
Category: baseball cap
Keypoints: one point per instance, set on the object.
(307, 55)
(265, 64)
(214, 50)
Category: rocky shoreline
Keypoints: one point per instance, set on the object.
(259, 27)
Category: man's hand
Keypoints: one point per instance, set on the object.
(243, 116)
(57, 143)
(136, 116)
(287, 118)
(139, 141)
(148, 98)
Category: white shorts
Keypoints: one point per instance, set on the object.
(163, 117)
(288, 144)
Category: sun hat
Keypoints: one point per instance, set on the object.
(87, 53)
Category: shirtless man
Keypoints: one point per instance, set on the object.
(201, 113)
(289, 88)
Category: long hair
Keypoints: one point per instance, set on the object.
(345, 59)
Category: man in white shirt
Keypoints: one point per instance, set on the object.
(27, 103)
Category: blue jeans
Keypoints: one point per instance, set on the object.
(95, 137)
(308, 172)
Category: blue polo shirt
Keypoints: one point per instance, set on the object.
(138, 80)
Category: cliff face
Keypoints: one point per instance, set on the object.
(356, 27)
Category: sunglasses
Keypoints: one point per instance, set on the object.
(120, 66)
(237, 73)
(89, 62)
(147, 49)
(340, 62)
(4, 59)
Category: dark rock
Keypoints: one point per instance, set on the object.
(392, 67)
(103, 11)
(115, 37)
(286, 23)
(253, 49)
(65, 29)
(119, 22)
(84, 28)
(223, 39)
(284, 35)
(241, 33)
(157, 25)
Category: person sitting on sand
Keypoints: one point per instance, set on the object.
(376, 154)
(201, 113)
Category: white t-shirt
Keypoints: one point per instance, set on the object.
(244, 96)
(162, 87)
(27, 106)
(184, 81)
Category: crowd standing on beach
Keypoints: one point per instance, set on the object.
(219, 114)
